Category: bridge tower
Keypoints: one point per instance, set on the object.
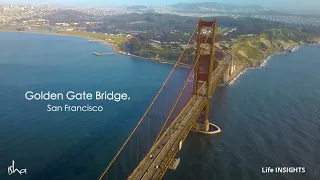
(204, 67)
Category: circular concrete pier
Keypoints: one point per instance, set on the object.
(213, 129)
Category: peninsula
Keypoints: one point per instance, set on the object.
(163, 37)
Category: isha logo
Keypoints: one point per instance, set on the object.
(12, 170)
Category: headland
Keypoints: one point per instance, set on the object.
(254, 51)
(248, 51)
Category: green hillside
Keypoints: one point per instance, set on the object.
(252, 49)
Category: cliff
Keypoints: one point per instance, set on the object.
(251, 50)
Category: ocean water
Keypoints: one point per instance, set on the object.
(269, 117)
(68, 145)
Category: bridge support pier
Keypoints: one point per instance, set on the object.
(206, 128)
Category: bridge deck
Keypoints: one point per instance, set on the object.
(165, 149)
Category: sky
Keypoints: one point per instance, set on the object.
(272, 4)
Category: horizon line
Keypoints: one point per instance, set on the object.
(75, 5)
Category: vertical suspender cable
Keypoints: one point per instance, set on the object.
(197, 59)
(142, 118)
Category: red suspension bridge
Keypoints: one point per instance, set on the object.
(151, 148)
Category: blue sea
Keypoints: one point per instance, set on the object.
(269, 117)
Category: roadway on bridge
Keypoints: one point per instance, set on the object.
(169, 141)
(163, 152)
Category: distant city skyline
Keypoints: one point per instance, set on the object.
(300, 5)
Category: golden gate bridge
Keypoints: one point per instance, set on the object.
(151, 148)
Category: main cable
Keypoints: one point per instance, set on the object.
(164, 84)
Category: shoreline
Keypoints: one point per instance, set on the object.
(236, 76)
(265, 61)
(113, 45)
(151, 59)
(263, 64)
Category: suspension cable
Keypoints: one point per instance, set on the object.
(164, 84)
(185, 85)
(187, 79)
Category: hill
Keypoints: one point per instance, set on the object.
(136, 7)
(251, 50)
(165, 22)
(247, 50)
(220, 7)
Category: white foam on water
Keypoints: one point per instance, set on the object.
(234, 79)
(295, 49)
(265, 61)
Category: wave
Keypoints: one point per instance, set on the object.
(295, 49)
(265, 61)
(242, 72)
